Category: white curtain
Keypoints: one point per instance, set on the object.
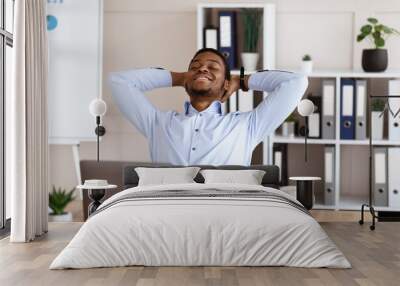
(27, 123)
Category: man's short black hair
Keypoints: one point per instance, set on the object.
(218, 53)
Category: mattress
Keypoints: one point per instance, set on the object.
(201, 225)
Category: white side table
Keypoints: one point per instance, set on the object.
(96, 193)
(305, 192)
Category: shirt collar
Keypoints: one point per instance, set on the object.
(214, 107)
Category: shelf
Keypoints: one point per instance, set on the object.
(337, 73)
(391, 73)
(230, 5)
(366, 142)
(352, 202)
(323, 207)
(300, 140)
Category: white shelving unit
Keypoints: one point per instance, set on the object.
(342, 202)
(268, 36)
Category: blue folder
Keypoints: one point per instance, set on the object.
(347, 109)
(227, 43)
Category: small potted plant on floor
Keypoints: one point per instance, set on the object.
(58, 200)
(306, 64)
(288, 126)
(377, 107)
(376, 59)
(251, 19)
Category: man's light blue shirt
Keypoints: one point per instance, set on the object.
(210, 136)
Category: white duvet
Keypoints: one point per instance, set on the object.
(200, 231)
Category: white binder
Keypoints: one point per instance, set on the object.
(380, 176)
(328, 109)
(278, 162)
(394, 177)
(313, 125)
(211, 38)
(329, 189)
(361, 109)
(394, 115)
(246, 100)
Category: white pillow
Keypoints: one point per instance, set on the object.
(249, 177)
(168, 175)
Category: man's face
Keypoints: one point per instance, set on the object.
(206, 77)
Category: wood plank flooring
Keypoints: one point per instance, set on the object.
(375, 257)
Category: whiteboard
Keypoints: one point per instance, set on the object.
(75, 68)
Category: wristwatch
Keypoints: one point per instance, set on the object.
(242, 87)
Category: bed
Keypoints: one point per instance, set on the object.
(198, 224)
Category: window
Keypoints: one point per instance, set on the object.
(6, 44)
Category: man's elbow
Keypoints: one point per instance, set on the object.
(300, 83)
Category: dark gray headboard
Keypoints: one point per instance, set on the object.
(270, 179)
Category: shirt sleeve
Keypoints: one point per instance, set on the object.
(285, 90)
(128, 89)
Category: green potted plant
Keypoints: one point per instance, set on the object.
(251, 19)
(377, 107)
(288, 126)
(58, 200)
(306, 64)
(376, 59)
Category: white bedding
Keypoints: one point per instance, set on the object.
(200, 231)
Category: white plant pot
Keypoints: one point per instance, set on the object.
(66, 217)
(288, 129)
(249, 61)
(306, 67)
(376, 125)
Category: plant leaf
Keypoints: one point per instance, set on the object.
(379, 42)
(360, 37)
(372, 20)
(386, 29)
(376, 34)
(378, 28)
(366, 29)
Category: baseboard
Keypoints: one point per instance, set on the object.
(388, 216)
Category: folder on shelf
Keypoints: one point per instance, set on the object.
(314, 120)
(394, 113)
(393, 177)
(347, 119)
(232, 102)
(380, 187)
(245, 100)
(227, 36)
(361, 109)
(210, 37)
(328, 109)
(280, 160)
(329, 183)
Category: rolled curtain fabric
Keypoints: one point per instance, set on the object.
(27, 127)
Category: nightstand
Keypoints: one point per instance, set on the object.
(304, 190)
(95, 193)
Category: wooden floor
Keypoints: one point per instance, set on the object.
(374, 255)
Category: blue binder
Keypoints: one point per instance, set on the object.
(227, 36)
(347, 109)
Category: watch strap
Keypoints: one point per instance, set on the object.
(241, 81)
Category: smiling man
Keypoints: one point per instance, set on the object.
(203, 134)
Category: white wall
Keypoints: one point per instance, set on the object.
(163, 33)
